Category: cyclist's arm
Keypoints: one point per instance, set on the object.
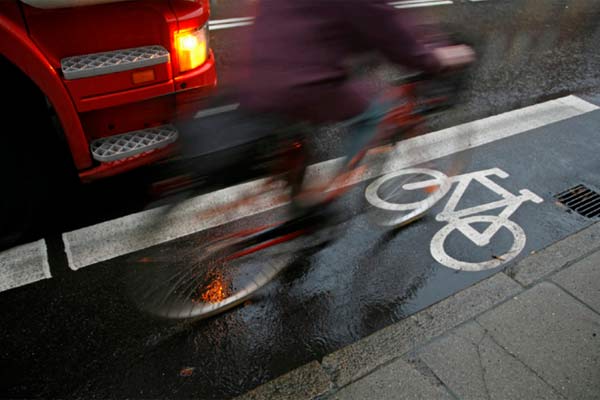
(390, 31)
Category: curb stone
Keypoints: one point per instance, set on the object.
(556, 256)
(306, 382)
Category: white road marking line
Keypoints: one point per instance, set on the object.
(216, 110)
(231, 20)
(216, 27)
(575, 102)
(230, 23)
(419, 4)
(395, 3)
(245, 21)
(23, 265)
(135, 232)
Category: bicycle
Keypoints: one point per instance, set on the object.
(228, 270)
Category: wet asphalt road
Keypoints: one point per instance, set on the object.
(80, 335)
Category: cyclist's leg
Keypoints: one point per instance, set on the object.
(363, 128)
(361, 132)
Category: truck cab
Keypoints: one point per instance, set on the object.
(113, 74)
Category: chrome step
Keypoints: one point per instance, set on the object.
(109, 62)
(128, 144)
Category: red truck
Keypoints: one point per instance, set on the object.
(96, 82)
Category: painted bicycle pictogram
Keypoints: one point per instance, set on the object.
(457, 220)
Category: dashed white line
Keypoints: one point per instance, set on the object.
(228, 26)
(216, 110)
(245, 21)
(421, 3)
(230, 23)
(23, 265)
(135, 232)
(231, 20)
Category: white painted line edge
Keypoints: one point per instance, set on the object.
(232, 25)
(24, 264)
(421, 5)
(45, 262)
(134, 232)
(227, 23)
(230, 20)
(216, 110)
(70, 259)
(396, 3)
(575, 102)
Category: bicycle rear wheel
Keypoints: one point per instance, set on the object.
(402, 197)
(209, 281)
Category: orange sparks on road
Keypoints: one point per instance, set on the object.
(213, 292)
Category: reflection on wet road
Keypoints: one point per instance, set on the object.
(80, 334)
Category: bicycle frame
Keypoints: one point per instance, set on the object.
(410, 105)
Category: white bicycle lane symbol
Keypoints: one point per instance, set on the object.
(460, 220)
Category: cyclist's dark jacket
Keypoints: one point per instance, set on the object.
(299, 49)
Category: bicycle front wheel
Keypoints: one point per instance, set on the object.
(211, 280)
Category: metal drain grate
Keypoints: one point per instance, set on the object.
(582, 200)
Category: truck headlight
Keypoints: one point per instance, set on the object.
(192, 48)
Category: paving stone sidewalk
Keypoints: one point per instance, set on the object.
(530, 332)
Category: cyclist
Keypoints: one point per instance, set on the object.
(296, 68)
(297, 63)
